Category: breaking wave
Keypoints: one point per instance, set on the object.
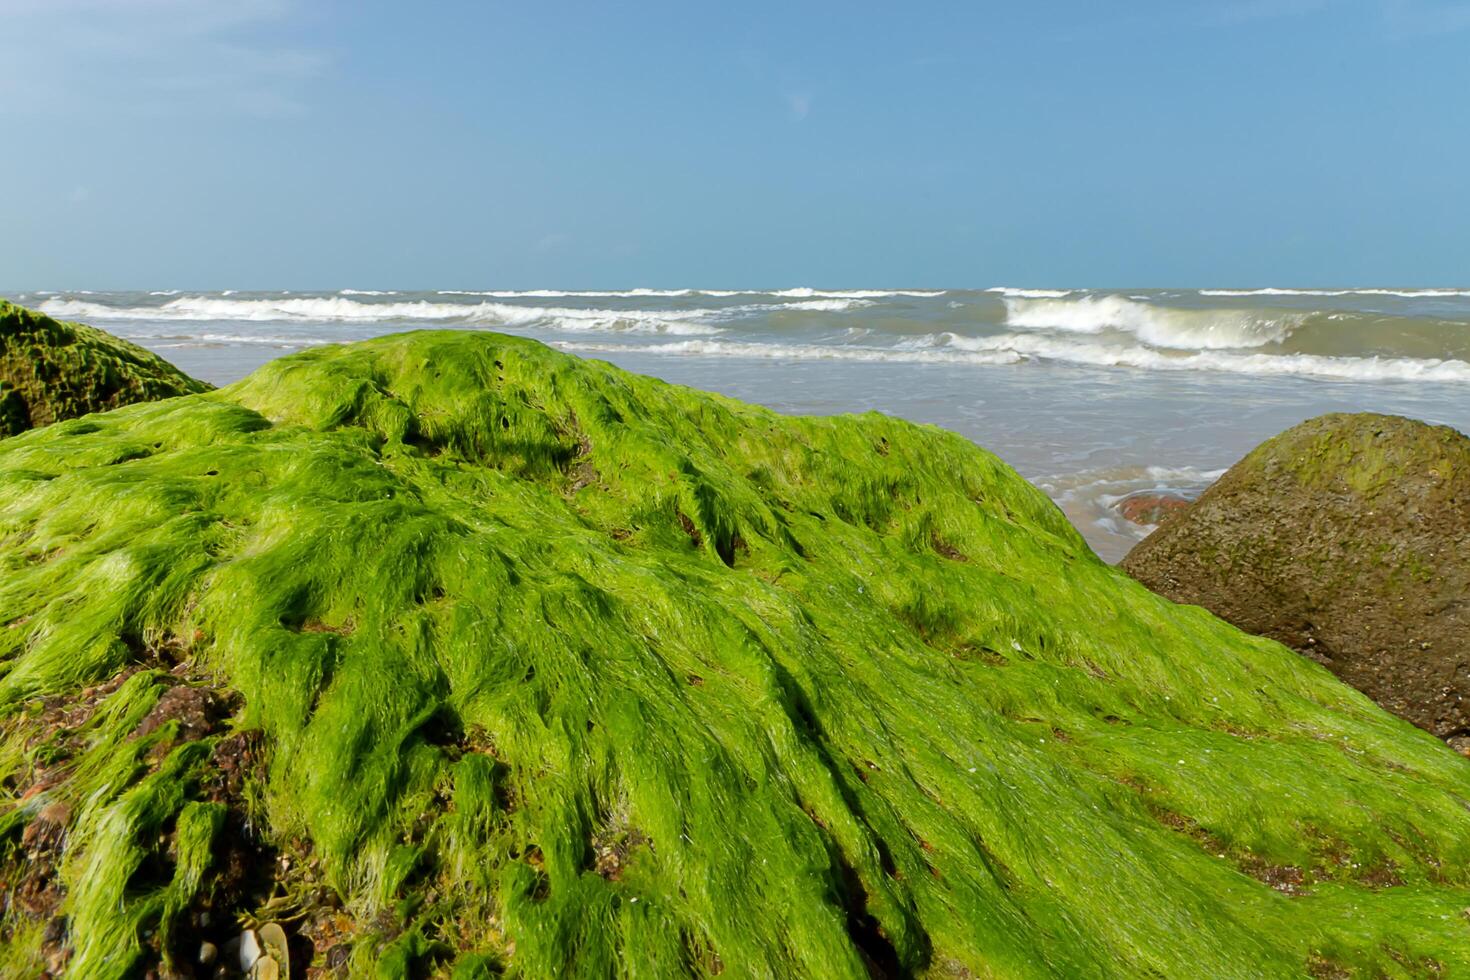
(804, 292)
(1157, 325)
(570, 293)
(798, 352)
(1278, 291)
(818, 305)
(1014, 293)
(801, 292)
(341, 309)
(238, 340)
(1095, 354)
(1389, 337)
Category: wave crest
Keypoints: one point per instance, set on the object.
(1155, 325)
(1280, 291)
(342, 309)
(799, 292)
(1016, 293)
(1094, 354)
(797, 352)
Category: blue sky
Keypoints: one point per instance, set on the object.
(326, 144)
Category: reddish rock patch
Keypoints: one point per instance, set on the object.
(1149, 507)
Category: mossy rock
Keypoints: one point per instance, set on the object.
(52, 370)
(462, 656)
(1348, 539)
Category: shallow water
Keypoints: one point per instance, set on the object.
(1090, 394)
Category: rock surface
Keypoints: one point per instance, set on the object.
(499, 661)
(1149, 507)
(1346, 538)
(52, 370)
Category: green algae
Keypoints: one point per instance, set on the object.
(562, 671)
(52, 370)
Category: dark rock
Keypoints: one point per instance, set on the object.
(1346, 538)
(194, 708)
(51, 370)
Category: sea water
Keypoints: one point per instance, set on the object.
(1091, 394)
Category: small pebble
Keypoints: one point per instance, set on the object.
(208, 953)
(249, 949)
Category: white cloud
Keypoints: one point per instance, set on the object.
(153, 57)
(799, 104)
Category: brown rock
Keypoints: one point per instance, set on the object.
(1346, 538)
(1151, 506)
(195, 709)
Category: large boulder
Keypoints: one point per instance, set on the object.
(459, 656)
(1347, 538)
(52, 370)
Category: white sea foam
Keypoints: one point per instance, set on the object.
(568, 293)
(1280, 291)
(1087, 498)
(345, 308)
(1109, 484)
(816, 305)
(1100, 354)
(1157, 325)
(804, 305)
(1189, 474)
(806, 292)
(231, 339)
(679, 322)
(1079, 327)
(342, 309)
(368, 292)
(1016, 293)
(802, 292)
(164, 292)
(797, 352)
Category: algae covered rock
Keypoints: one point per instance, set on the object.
(52, 370)
(521, 663)
(1348, 539)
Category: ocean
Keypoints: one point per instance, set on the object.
(1091, 394)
